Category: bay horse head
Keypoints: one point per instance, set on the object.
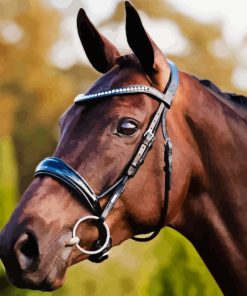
(96, 191)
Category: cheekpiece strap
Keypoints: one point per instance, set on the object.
(147, 142)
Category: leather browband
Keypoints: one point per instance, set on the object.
(166, 97)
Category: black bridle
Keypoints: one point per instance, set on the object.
(61, 171)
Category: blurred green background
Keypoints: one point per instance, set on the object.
(39, 80)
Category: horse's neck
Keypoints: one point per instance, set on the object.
(214, 214)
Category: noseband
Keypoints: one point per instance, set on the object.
(61, 171)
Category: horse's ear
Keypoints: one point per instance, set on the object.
(101, 53)
(150, 56)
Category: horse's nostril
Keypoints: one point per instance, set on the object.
(26, 249)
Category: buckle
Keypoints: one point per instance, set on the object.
(148, 138)
(168, 163)
(100, 257)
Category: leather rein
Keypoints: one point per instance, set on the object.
(56, 168)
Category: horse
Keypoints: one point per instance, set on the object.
(96, 191)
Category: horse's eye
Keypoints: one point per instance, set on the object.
(127, 127)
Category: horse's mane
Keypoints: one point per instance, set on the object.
(235, 98)
(238, 103)
(130, 61)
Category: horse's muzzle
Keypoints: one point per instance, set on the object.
(30, 264)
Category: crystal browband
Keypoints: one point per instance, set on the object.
(166, 97)
(131, 89)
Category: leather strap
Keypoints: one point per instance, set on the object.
(56, 168)
(165, 97)
(122, 90)
(147, 142)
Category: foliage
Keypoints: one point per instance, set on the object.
(33, 95)
(180, 265)
(8, 178)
